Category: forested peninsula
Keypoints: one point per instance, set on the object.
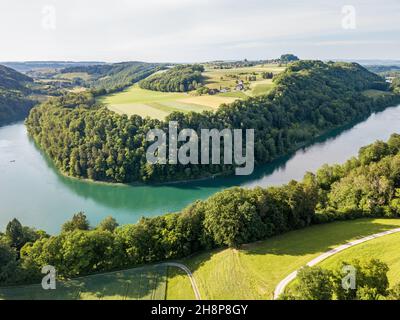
(86, 140)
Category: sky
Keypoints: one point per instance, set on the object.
(197, 30)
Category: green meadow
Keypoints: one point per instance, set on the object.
(158, 105)
(249, 272)
(385, 249)
(148, 283)
(254, 270)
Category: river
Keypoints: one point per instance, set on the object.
(33, 191)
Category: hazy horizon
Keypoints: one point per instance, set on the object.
(387, 61)
(198, 31)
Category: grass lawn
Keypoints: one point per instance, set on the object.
(261, 87)
(385, 249)
(253, 271)
(155, 104)
(178, 285)
(148, 283)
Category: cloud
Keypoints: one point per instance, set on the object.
(190, 30)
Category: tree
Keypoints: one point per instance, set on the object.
(78, 222)
(371, 280)
(314, 283)
(108, 224)
(373, 152)
(231, 218)
(285, 58)
(15, 234)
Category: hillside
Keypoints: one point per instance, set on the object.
(13, 80)
(181, 78)
(309, 98)
(13, 91)
(107, 78)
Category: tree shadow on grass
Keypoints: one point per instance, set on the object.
(307, 241)
(317, 238)
(147, 283)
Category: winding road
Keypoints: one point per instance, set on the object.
(282, 285)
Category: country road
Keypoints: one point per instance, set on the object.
(282, 285)
(190, 275)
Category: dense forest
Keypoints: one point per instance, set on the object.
(108, 78)
(364, 186)
(180, 78)
(13, 90)
(86, 140)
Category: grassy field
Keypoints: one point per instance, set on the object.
(226, 78)
(261, 87)
(385, 249)
(72, 75)
(158, 105)
(147, 283)
(251, 272)
(254, 271)
(155, 104)
(178, 285)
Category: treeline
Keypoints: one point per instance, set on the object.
(109, 78)
(366, 186)
(14, 105)
(180, 78)
(13, 80)
(86, 140)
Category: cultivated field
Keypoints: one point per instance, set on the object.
(72, 75)
(254, 271)
(158, 105)
(227, 78)
(147, 283)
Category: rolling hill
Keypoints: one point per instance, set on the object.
(14, 104)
